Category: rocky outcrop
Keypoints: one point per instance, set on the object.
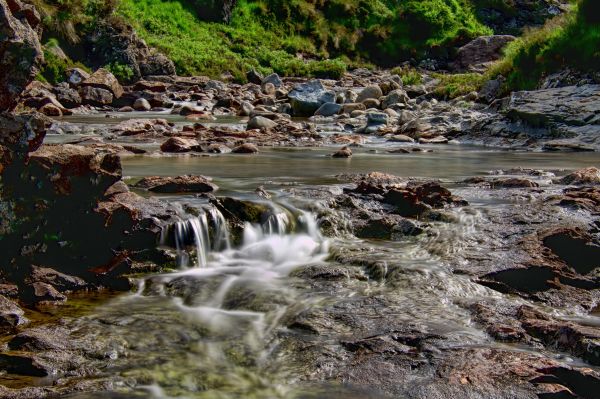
(118, 43)
(20, 51)
(476, 54)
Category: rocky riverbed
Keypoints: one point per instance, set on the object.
(294, 238)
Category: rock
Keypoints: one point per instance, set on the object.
(254, 77)
(11, 315)
(395, 97)
(21, 54)
(23, 364)
(118, 43)
(481, 50)
(68, 97)
(179, 145)
(274, 79)
(345, 152)
(348, 108)
(433, 140)
(269, 89)
(370, 92)
(141, 104)
(375, 122)
(103, 79)
(514, 183)
(151, 86)
(246, 108)
(371, 103)
(218, 149)
(56, 279)
(179, 184)
(246, 148)
(491, 89)
(50, 110)
(329, 109)
(44, 292)
(75, 76)
(401, 138)
(582, 177)
(95, 96)
(190, 110)
(260, 122)
(307, 98)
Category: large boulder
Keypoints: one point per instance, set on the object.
(103, 79)
(480, 51)
(179, 184)
(118, 43)
(21, 53)
(307, 98)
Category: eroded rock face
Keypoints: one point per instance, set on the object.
(20, 51)
(114, 43)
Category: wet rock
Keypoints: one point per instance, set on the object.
(260, 122)
(513, 183)
(433, 140)
(370, 92)
(241, 211)
(56, 279)
(141, 104)
(21, 53)
(24, 364)
(180, 145)
(481, 51)
(385, 228)
(401, 138)
(582, 177)
(103, 79)
(375, 122)
(307, 98)
(586, 198)
(11, 315)
(345, 152)
(218, 149)
(179, 184)
(246, 148)
(43, 292)
(329, 109)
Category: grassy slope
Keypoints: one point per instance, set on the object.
(267, 34)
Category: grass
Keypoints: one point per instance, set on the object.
(409, 76)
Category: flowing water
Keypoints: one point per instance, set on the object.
(216, 326)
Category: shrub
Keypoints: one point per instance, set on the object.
(123, 73)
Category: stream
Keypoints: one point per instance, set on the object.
(224, 324)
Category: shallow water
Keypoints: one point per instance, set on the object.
(213, 328)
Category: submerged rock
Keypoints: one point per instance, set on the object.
(179, 184)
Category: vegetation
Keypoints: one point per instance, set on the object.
(56, 63)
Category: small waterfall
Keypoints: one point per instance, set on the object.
(196, 232)
(277, 223)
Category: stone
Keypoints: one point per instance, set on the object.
(269, 89)
(11, 315)
(513, 183)
(218, 149)
(582, 177)
(480, 51)
(274, 79)
(95, 96)
(307, 98)
(103, 79)
(179, 145)
(21, 54)
(372, 103)
(433, 140)
(246, 108)
(260, 122)
(254, 77)
(75, 76)
(141, 104)
(56, 279)
(345, 152)
(370, 92)
(50, 110)
(329, 109)
(44, 292)
(395, 97)
(246, 148)
(179, 184)
(349, 108)
(67, 96)
(401, 138)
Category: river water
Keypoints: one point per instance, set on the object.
(219, 326)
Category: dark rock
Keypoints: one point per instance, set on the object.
(480, 51)
(179, 184)
(246, 148)
(23, 364)
(345, 152)
(307, 98)
(587, 176)
(329, 109)
(43, 292)
(274, 79)
(21, 54)
(254, 77)
(95, 96)
(11, 315)
(513, 183)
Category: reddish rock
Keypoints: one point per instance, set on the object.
(180, 145)
(582, 177)
(246, 148)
